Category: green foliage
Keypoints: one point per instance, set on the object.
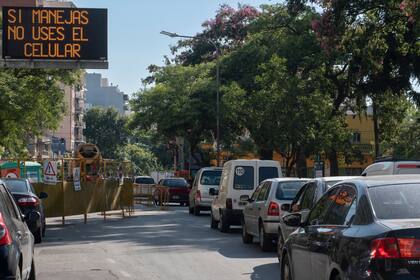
(106, 128)
(31, 101)
(143, 160)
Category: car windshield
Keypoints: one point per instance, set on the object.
(288, 190)
(211, 177)
(175, 183)
(396, 201)
(17, 186)
(145, 181)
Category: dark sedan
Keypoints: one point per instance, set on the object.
(360, 229)
(29, 203)
(16, 241)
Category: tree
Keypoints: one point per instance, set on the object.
(31, 102)
(143, 160)
(106, 128)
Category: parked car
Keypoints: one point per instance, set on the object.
(392, 166)
(303, 202)
(143, 187)
(16, 241)
(177, 190)
(200, 198)
(262, 214)
(365, 228)
(24, 194)
(239, 177)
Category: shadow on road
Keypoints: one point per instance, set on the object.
(266, 272)
(170, 231)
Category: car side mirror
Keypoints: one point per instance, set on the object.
(244, 198)
(293, 220)
(213, 191)
(285, 207)
(43, 195)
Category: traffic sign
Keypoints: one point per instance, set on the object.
(50, 172)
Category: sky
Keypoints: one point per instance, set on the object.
(134, 41)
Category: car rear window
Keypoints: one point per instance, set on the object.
(267, 173)
(211, 177)
(145, 181)
(244, 178)
(396, 201)
(17, 186)
(175, 183)
(288, 190)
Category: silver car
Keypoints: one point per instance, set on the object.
(262, 214)
(200, 198)
(303, 203)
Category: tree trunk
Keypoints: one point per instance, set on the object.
(302, 169)
(376, 130)
(333, 158)
(266, 154)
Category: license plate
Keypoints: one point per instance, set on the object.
(175, 197)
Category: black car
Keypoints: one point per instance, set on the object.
(360, 229)
(28, 202)
(16, 241)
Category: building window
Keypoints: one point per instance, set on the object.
(356, 138)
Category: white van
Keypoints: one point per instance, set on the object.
(392, 167)
(239, 178)
(200, 198)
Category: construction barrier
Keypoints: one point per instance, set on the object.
(163, 197)
(144, 194)
(101, 186)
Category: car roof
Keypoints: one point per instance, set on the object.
(143, 177)
(286, 179)
(211, 168)
(383, 180)
(335, 178)
(174, 178)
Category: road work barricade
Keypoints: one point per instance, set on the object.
(102, 186)
(144, 194)
(162, 193)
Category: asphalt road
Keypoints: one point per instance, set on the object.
(150, 245)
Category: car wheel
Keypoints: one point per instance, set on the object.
(246, 237)
(266, 243)
(32, 275)
(213, 223)
(196, 210)
(190, 210)
(286, 272)
(337, 277)
(38, 236)
(44, 226)
(223, 224)
(280, 244)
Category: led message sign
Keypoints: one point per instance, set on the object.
(55, 34)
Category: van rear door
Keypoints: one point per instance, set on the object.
(268, 169)
(244, 181)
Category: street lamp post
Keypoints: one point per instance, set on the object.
(218, 53)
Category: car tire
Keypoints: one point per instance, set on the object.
(44, 227)
(38, 236)
(224, 225)
(280, 244)
(337, 277)
(286, 272)
(213, 223)
(266, 243)
(246, 237)
(32, 275)
(196, 210)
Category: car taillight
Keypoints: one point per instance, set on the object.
(5, 238)
(28, 201)
(229, 204)
(273, 209)
(409, 247)
(395, 248)
(198, 195)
